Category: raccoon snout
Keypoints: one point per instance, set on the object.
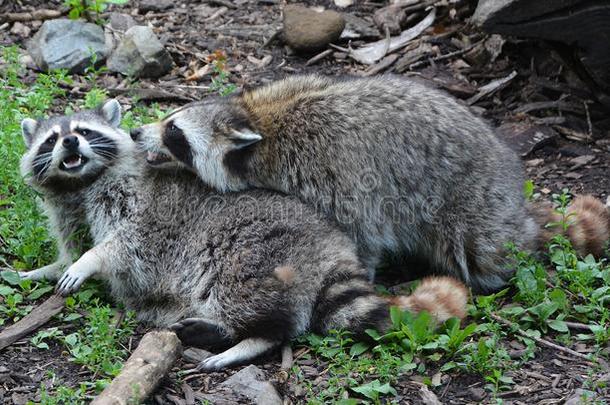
(135, 133)
(70, 142)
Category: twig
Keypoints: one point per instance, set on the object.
(35, 319)
(538, 340)
(287, 357)
(578, 326)
(318, 57)
(43, 14)
(588, 115)
(445, 56)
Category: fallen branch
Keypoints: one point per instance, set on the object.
(540, 341)
(371, 53)
(318, 57)
(35, 319)
(42, 14)
(147, 365)
(492, 87)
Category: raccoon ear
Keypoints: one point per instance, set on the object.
(111, 111)
(244, 137)
(28, 129)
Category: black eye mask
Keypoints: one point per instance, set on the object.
(175, 141)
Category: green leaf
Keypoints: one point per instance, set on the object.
(6, 290)
(395, 316)
(34, 295)
(358, 349)
(528, 189)
(559, 326)
(11, 277)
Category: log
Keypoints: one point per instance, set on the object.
(32, 321)
(582, 27)
(147, 365)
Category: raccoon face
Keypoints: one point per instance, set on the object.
(201, 136)
(69, 152)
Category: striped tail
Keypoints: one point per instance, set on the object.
(352, 304)
(589, 225)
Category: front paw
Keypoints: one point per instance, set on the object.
(70, 282)
(51, 272)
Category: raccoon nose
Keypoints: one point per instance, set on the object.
(135, 133)
(70, 142)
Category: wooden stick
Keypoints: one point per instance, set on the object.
(35, 319)
(147, 365)
(42, 14)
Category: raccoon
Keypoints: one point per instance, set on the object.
(404, 169)
(238, 271)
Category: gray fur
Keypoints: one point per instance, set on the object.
(404, 169)
(257, 267)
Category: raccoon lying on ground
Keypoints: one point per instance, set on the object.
(247, 270)
(404, 169)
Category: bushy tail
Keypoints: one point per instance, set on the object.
(589, 224)
(443, 297)
(353, 305)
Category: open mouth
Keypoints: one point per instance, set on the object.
(73, 162)
(157, 158)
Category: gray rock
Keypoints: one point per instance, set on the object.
(251, 383)
(195, 355)
(67, 44)
(309, 30)
(121, 22)
(140, 54)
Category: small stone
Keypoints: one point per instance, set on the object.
(195, 355)
(478, 394)
(155, 5)
(309, 30)
(251, 382)
(140, 54)
(21, 29)
(121, 22)
(67, 44)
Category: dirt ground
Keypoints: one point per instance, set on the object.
(545, 113)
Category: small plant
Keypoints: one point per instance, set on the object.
(85, 8)
(220, 74)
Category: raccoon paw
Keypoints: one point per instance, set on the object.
(52, 272)
(70, 282)
(200, 333)
(244, 351)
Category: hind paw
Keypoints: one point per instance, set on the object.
(199, 332)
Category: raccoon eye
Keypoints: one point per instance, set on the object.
(51, 140)
(84, 132)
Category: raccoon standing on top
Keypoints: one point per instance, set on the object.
(248, 270)
(406, 170)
